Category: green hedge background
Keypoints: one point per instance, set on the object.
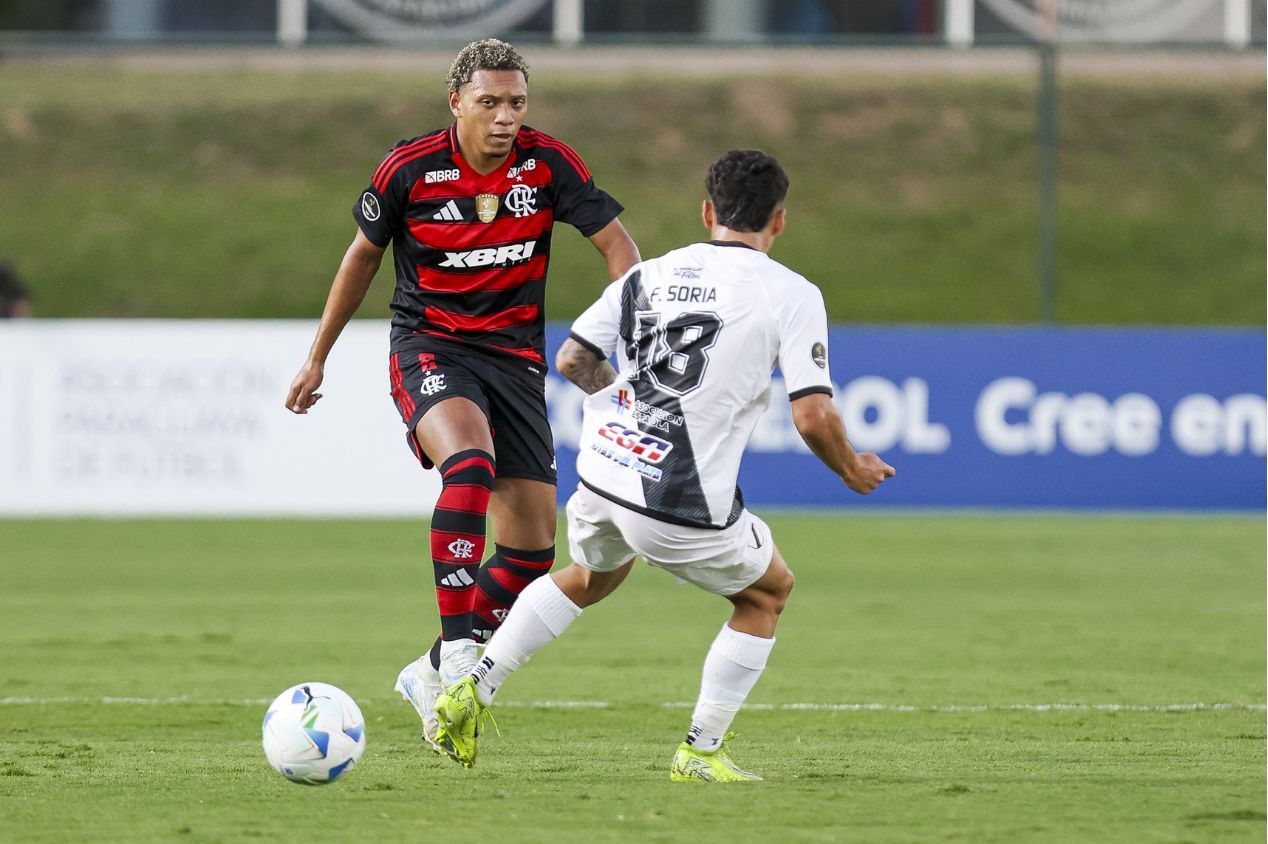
(214, 193)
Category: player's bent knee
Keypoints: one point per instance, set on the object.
(778, 586)
(788, 582)
(778, 580)
(777, 601)
(523, 512)
(762, 600)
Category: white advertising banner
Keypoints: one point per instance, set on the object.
(105, 417)
(137, 417)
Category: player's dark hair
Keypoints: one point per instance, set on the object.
(486, 54)
(746, 186)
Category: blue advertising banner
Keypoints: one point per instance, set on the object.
(1016, 417)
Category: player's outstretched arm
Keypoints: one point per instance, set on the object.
(356, 272)
(583, 367)
(617, 248)
(820, 425)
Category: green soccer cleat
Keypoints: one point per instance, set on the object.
(460, 715)
(693, 765)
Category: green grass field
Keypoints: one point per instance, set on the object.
(139, 656)
(228, 193)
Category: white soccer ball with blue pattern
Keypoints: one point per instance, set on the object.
(313, 733)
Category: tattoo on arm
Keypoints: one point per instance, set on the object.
(583, 367)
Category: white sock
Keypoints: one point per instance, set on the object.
(457, 659)
(731, 669)
(540, 614)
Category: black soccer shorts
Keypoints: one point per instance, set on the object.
(510, 391)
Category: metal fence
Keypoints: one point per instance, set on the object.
(1234, 24)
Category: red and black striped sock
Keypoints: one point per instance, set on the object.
(500, 581)
(457, 537)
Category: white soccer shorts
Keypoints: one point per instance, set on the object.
(603, 535)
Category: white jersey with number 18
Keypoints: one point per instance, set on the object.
(697, 334)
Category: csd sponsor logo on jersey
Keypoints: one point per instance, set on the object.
(502, 256)
(433, 176)
(644, 446)
(631, 448)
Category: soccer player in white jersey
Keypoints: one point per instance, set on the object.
(697, 333)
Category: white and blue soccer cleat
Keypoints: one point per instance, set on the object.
(419, 685)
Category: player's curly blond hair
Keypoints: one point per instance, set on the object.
(486, 54)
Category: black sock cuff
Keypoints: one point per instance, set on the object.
(468, 454)
(545, 555)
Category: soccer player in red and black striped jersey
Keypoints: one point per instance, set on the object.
(469, 211)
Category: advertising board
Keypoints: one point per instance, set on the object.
(101, 417)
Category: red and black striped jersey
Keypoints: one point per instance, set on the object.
(471, 251)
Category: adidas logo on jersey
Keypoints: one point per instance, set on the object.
(515, 253)
(449, 212)
(458, 580)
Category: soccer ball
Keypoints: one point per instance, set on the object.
(313, 733)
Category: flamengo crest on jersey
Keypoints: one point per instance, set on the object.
(472, 250)
(697, 334)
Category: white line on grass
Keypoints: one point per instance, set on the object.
(1006, 707)
(142, 701)
(781, 707)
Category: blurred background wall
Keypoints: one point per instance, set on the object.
(1116, 21)
(992, 160)
(1042, 166)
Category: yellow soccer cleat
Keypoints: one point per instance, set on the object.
(694, 765)
(460, 715)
